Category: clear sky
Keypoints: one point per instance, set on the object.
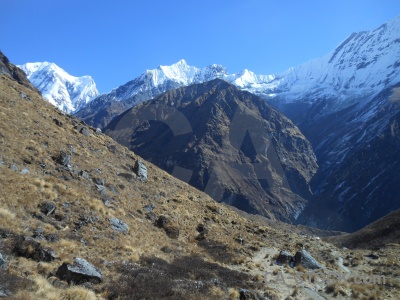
(115, 41)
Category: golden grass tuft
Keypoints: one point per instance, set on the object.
(233, 294)
(44, 290)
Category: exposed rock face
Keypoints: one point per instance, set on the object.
(80, 272)
(29, 248)
(7, 68)
(305, 259)
(226, 142)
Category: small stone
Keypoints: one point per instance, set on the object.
(3, 263)
(102, 189)
(98, 131)
(151, 216)
(48, 208)
(14, 167)
(84, 175)
(150, 207)
(162, 222)
(65, 159)
(25, 171)
(118, 225)
(58, 122)
(172, 232)
(113, 189)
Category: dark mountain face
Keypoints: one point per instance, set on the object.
(226, 142)
(358, 153)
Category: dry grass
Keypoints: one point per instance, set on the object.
(44, 290)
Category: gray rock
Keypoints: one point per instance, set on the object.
(284, 257)
(4, 292)
(99, 181)
(85, 131)
(48, 208)
(80, 272)
(102, 189)
(150, 207)
(3, 263)
(57, 122)
(65, 159)
(113, 189)
(14, 167)
(98, 131)
(118, 225)
(84, 175)
(2, 163)
(25, 171)
(141, 170)
(305, 259)
(82, 129)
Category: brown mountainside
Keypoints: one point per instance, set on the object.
(226, 142)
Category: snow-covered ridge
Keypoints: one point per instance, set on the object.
(61, 89)
(363, 64)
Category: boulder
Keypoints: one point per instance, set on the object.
(284, 257)
(118, 225)
(80, 272)
(141, 170)
(305, 259)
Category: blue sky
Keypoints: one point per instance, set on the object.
(115, 41)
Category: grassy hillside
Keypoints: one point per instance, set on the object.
(151, 239)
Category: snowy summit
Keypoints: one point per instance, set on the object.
(67, 92)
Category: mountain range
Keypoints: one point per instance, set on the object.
(83, 217)
(345, 103)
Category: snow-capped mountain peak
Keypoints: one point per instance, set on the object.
(61, 89)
